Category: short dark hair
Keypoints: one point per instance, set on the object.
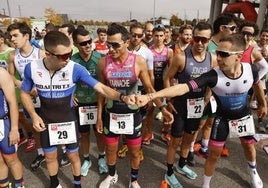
(70, 27)
(185, 26)
(116, 28)
(136, 25)
(22, 27)
(223, 19)
(237, 40)
(55, 38)
(101, 30)
(202, 26)
(250, 24)
(77, 32)
(265, 29)
(50, 27)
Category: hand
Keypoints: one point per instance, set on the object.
(33, 92)
(75, 101)
(141, 100)
(99, 125)
(129, 99)
(262, 111)
(167, 116)
(38, 123)
(14, 137)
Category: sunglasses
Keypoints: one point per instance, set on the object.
(249, 34)
(226, 53)
(114, 45)
(134, 35)
(159, 26)
(202, 39)
(85, 42)
(63, 57)
(231, 27)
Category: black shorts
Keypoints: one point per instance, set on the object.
(45, 143)
(137, 126)
(220, 130)
(182, 124)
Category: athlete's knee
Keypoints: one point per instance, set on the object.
(175, 142)
(215, 148)
(51, 157)
(74, 157)
(11, 159)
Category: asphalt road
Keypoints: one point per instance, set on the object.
(230, 171)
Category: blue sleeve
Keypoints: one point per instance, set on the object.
(80, 73)
(27, 82)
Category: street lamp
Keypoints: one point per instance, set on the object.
(154, 14)
(8, 7)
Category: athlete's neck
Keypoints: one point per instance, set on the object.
(120, 59)
(3, 47)
(85, 57)
(182, 45)
(26, 49)
(159, 47)
(199, 56)
(132, 48)
(235, 72)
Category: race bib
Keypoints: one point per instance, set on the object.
(62, 133)
(36, 102)
(87, 115)
(195, 108)
(121, 123)
(241, 127)
(2, 129)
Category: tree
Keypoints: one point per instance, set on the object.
(6, 22)
(175, 21)
(27, 21)
(52, 17)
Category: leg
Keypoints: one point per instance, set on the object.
(52, 162)
(14, 164)
(103, 168)
(4, 181)
(111, 144)
(134, 146)
(148, 135)
(210, 164)
(52, 167)
(250, 154)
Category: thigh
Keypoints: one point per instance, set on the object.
(177, 127)
(220, 129)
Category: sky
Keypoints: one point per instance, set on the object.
(109, 10)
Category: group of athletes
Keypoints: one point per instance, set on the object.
(67, 82)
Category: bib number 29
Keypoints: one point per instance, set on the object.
(62, 135)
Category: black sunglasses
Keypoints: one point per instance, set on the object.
(249, 34)
(226, 53)
(231, 27)
(114, 45)
(134, 35)
(85, 42)
(202, 39)
(63, 57)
